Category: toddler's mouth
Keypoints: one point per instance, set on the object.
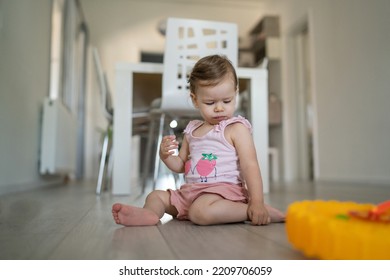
(220, 118)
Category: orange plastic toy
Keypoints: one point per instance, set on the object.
(340, 230)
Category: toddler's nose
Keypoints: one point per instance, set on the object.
(218, 107)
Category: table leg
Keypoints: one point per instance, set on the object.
(122, 133)
(259, 119)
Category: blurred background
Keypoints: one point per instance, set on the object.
(328, 67)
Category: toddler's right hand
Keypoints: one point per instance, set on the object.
(168, 146)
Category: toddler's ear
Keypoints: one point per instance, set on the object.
(194, 100)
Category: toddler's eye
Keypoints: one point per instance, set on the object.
(209, 103)
(227, 101)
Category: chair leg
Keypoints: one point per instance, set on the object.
(176, 176)
(102, 164)
(157, 157)
(110, 165)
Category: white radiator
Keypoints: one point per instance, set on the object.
(58, 139)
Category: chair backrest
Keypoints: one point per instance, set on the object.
(188, 40)
(105, 94)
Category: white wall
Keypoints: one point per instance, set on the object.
(24, 82)
(350, 43)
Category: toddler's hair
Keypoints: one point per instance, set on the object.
(210, 70)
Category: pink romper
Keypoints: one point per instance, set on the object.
(213, 167)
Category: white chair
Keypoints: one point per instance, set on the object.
(187, 40)
(140, 125)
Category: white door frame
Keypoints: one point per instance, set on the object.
(294, 115)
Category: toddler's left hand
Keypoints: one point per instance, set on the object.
(258, 214)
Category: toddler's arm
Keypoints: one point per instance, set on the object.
(246, 151)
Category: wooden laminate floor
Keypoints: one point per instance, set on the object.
(71, 222)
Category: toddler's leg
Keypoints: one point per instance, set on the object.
(156, 204)
(276, 215)
(211, 209)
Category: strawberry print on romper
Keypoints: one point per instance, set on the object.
(205, 166)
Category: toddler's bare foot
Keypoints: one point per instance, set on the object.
(133, 216)
(276, 215)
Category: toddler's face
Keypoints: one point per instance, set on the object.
(216, 103)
